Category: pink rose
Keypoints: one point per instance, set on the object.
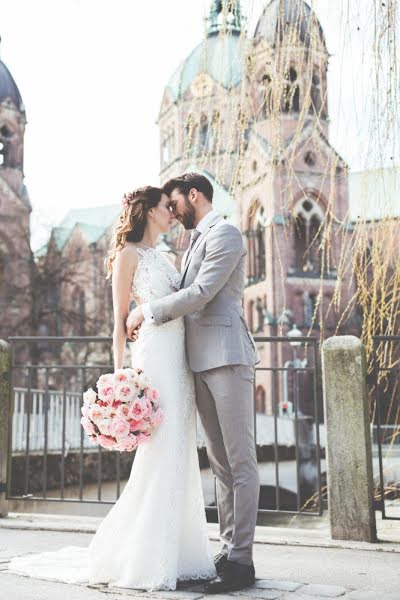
(106, 441)
(136, 410)
(85, 410)
(95, 412)
(106, 379)
(122, 411)
(157, 418)
(125, 392)
(105, 426)
(106, 392)
(120, 376)
(119, 428)
(152, 394)
(135, 425)
(127, 444)
(88, 425)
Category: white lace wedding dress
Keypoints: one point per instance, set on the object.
(155, 534)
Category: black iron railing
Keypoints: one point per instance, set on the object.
(51, 459)
(385, 389)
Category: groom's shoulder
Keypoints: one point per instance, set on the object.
(223, 229)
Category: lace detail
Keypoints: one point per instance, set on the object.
(155, 276)
(156, 533)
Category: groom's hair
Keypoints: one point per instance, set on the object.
(184, 183)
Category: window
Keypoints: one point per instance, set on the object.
(308, 217)
(266, 96)
(310, 159)
(291, 92)
(256, 244)
(310, 306)
(260, 399)
(317, 105)
(203, 132)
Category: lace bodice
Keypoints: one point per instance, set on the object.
(155, 276)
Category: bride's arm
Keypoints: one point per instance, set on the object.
(124, 268)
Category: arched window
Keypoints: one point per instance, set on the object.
(266, 96)
(291, 92)
(318, 104)
(260, 308)
(308, 217)
(310, 309)
(260, 399)
(203, 132)
(255, 235)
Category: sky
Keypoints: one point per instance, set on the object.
(92, 73)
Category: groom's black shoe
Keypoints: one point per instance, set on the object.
(233, 577)
(220, 562)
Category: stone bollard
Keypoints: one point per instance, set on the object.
(348, 440)
(5, 367)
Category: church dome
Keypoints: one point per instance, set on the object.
(281, 16)
(9, 89)
(220, 57)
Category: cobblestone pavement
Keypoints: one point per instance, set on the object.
(284, 573)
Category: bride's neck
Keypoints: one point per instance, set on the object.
(149, 237)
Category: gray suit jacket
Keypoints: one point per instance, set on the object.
(210, 299)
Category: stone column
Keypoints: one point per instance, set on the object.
(348, 440)
(5, 382)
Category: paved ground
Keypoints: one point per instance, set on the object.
(285, 572)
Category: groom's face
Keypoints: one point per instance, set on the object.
(183, 209)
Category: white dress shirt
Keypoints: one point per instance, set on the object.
(201, 226)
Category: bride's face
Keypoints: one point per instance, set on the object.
(162, 215)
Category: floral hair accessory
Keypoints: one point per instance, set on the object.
(125, 200)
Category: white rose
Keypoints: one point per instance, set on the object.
(90, 396)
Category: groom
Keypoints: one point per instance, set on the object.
(222, 355)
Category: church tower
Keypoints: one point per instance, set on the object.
(199, 109)
(15, 209)
(293, 201)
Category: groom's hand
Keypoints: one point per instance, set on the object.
(133, 322)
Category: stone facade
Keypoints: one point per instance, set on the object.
(267, 116)
(15, 209)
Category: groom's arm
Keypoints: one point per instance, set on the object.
(224, 249)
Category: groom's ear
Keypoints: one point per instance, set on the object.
(193, 195)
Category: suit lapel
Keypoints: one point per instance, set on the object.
(188, 257)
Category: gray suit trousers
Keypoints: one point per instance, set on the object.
(224, 398)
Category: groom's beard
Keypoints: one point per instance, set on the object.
(188, 217)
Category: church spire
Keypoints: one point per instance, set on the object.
(225, 15)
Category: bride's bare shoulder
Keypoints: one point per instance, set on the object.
(127, 254)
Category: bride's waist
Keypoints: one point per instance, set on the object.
(152, 328)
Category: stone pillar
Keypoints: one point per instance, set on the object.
(348, 440)
(5, 382)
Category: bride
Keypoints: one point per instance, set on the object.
(155, 534)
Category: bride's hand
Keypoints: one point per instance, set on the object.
(133, 322)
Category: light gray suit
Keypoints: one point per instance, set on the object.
(222, 355)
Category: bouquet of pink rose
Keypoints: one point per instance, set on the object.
(124, 412)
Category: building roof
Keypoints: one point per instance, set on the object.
(93, 222)
(283, 16)
(9, 89)
(221, 57)
(92, 215)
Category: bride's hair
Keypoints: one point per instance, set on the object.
(132, 221)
